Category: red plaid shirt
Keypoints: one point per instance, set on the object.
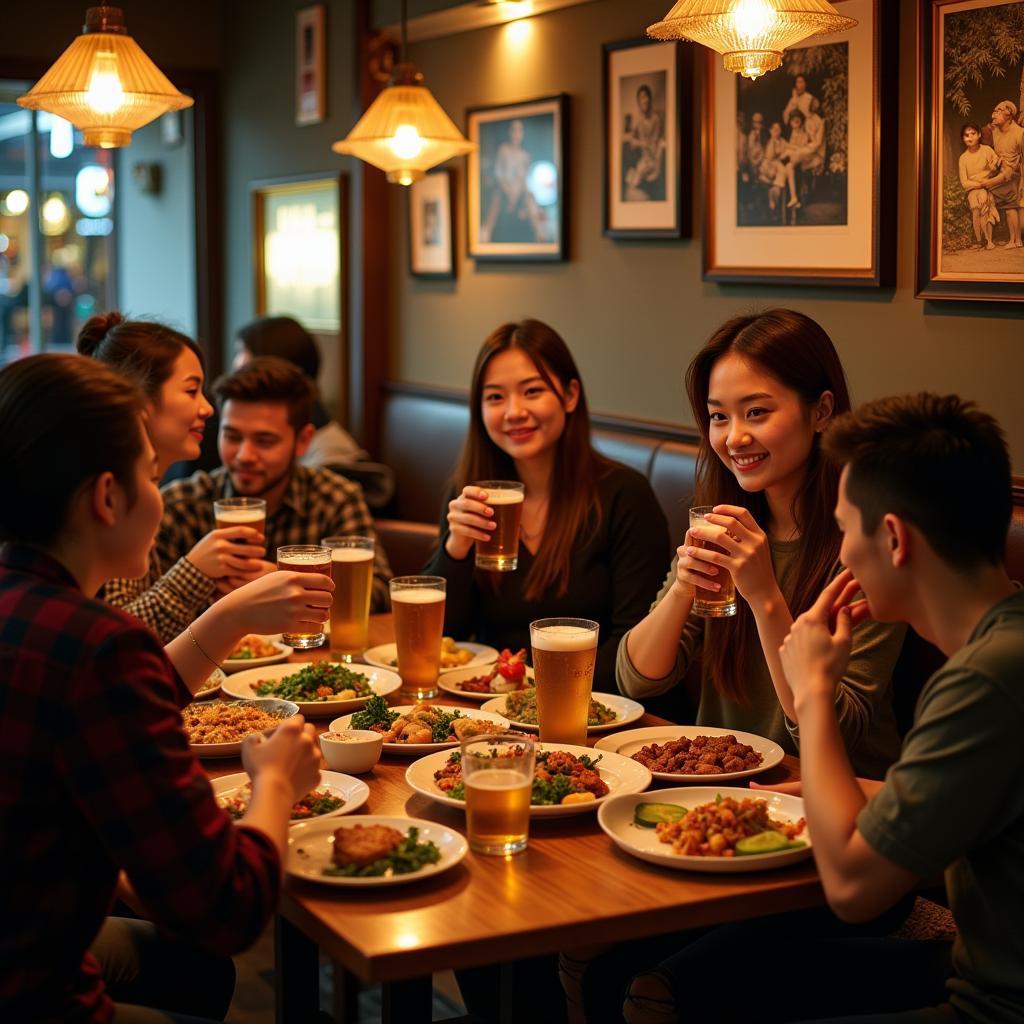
(95, 776)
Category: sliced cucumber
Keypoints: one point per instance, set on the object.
(763, 842)
(649, 815)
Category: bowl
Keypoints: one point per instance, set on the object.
(354, 751)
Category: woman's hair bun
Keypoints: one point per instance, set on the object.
(96, 329)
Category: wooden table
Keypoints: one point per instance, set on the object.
(571, 887)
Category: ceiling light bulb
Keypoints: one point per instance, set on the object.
(753, 18)
(406, 143)
(105, 93)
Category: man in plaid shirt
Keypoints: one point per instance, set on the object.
(265, 429)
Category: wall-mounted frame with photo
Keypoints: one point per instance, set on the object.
(648, 175)
(970, 155)
(800, 164)
(432, 225)
(516, 192)
(310, 65)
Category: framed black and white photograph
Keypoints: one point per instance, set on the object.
(431, 226)
(647, 179)
(516, 193)
(800, 164)
(971, 150)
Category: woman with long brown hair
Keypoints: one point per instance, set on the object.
(593, 537)
(762, 390)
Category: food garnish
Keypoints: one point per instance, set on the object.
(650, 815)
(368, 851)
(699, 755)
(521, 707)
(506, 675)
(323, 680)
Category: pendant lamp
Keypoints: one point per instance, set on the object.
(405, 131)
(104, 83)
(750, 34)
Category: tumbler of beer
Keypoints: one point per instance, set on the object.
(564, 653)
(418, 606)
(712, 604)
(352, 572)
(497, 773)
(304, 558)
(501, 552)
(241, 512)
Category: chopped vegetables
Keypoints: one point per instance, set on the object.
(323, 680)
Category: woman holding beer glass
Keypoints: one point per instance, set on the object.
(168, 367)
(592, 537)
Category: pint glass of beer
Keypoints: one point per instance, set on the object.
(418, 606)
(712, 604)
(497, 772)
(241, 512)
(352, 572)
(501, 552)
(564, 653)
(304, 558)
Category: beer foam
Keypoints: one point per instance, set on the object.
(241, 516)
(424, 595)
(304, 559)
(563, 638)
(505, 496)
(351, 555)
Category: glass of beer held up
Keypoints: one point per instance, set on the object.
(497, 773)
(352, 572)
(564, 653)
(712, 604)
(418, 606)
(304, 558)
(241, 512)
(501, 552)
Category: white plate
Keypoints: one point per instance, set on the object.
(386, 656)
(352, 791)
(211, 687)
(240, 664)
(381, 681)
(412, 749)
(627, 711)
(629, 742)
(616, 818)
(234, 749)
(622, 775)
(451, 679)
(310, 844)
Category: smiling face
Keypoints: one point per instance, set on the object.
(522, 414)
(258, 445)
(176, 419)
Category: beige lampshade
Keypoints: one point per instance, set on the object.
(104, 83)
(405, 131)
(750, 34)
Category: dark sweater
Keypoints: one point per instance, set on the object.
(614, 577)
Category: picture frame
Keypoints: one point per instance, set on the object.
(648, 176)
(310, 65)
(516, 189)
(813, 202)
(963, 230)
(299, 237)
(432, 225)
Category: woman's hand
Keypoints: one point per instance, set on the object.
(280, 602)
(219, 553)
(469, 519)
(693, 575)
(747, 555)
(289, 753)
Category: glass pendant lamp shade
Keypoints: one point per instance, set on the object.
(104, 83)
(405, 131)
(750, 34)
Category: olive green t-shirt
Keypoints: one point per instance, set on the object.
(955, 803)
(863, 697)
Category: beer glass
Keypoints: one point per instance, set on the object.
(564, 653)
(497, 773)
(304, 558)
(418, 606)
(352, 572)
(501, 552)
(712, 604)
(241, 512)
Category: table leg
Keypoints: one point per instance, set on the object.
(407, 1002)
(296, 975)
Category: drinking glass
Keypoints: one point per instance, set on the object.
(352, 572)
(418, 606)
(304, 558)
(497, 773)
(564, 653)
(241, 512)
(501, 552)
(712, 604)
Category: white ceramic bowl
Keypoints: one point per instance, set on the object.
(359, 752)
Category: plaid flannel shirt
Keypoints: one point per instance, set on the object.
(96, 776)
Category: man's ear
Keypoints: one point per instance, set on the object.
(105, 496)
(302, 440)
(899, 539)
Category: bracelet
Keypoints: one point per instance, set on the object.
(195, 642)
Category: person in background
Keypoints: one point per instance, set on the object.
(978, 166)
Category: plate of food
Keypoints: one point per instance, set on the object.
(510, 672)
(453, 655)
(567, 779)
(253, 650)
(211, 687)
(372, 849)
(607, 710)
(405, 729)
(320, 688)
(695, 753)
(716, 830)
(217, 729)
(337, 794)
